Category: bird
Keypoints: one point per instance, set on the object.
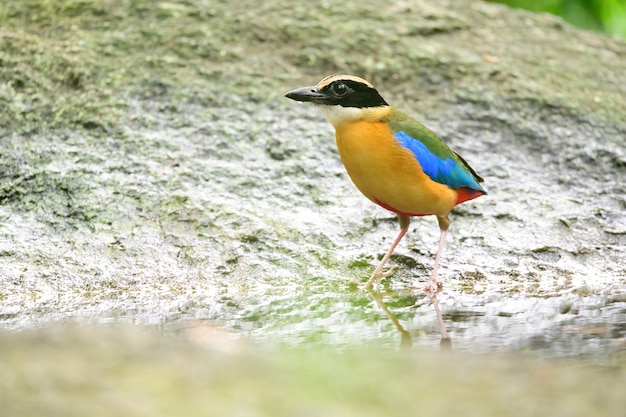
(394, 160)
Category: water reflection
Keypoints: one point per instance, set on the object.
(446, 342)
(406, 339)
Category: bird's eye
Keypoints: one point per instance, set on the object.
(340, 89)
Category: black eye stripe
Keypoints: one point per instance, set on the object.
(354, 94)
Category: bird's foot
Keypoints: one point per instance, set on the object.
(379, 274)
(432, 287)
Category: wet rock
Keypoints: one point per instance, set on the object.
(169, 180)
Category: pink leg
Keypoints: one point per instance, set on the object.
(442, 239)
(405, 221)
(435, 284)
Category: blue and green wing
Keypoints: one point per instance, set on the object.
(437, 160)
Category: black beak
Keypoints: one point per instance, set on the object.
(307, 94)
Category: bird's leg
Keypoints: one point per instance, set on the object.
(444, 223)
(405, 221)
(435, 284)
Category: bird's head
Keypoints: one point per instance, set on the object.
(343, 98)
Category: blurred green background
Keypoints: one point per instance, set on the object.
(602, 15)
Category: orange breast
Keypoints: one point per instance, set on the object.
(387, 173)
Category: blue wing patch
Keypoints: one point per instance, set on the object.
(444, 171)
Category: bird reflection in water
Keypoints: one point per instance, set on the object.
(406, 340)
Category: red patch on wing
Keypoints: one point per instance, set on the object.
(465, 194)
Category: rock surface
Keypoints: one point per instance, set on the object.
(152, 172)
